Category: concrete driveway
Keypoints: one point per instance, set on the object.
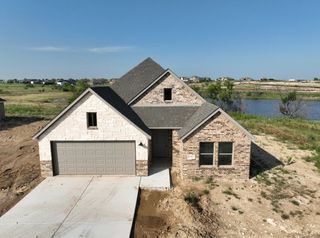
(91, 206)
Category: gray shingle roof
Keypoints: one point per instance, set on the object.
(115, 101)
(200, 115)
(137, 79)
(165, 116)
(2, 100)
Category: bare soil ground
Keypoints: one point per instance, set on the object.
(19, 160)
(281, 199)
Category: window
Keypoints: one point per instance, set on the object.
(206, 153)
(167, 92)
(92, 119)
(225, 153)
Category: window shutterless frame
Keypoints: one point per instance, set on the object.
(225, 153)
(91, 119)
(206, 153)
(167, 94)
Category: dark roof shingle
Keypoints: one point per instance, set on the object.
(2, 100)
(137, 79)
(115, 101)
(201, 114)
(165, 116)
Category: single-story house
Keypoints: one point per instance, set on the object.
(148, 117)
(2, 111)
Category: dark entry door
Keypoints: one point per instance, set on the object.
(162, 144)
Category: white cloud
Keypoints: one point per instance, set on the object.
(110, 49)
(48, 49)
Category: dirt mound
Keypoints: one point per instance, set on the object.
(167, 214)
(19, 160)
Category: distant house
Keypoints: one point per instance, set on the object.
(225, 79)
(2, 112)
(61, 82)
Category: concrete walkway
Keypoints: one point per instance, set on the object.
(158, 179)
(91, 206)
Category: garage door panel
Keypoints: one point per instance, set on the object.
(108, 157)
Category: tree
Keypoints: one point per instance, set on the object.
(223, 95)
(79, 88)
(290, 105)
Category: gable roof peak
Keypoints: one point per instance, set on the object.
(136, 79)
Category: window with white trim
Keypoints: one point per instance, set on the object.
(225, 153)
(206, 153)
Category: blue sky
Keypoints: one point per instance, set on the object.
(75, 38)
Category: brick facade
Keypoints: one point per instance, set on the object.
(217, 129)
(181, 93)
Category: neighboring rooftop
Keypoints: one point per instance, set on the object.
(165, 116)
(204, 111)
(2, 100)
(137, 79)
(115, 101)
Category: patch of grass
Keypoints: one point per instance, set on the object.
(230, 192)
(234, 208)
(205, 191)
(285, 216)
(211, 183)
(196, 179)
(295, 202)
(296, 213)
(305, 134)
(193, 199)
(42, 111)
(264, 195)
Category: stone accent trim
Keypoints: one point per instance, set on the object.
(46, 168)
(142, 167)
(176, 150)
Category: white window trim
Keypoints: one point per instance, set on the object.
(232, 155)
(206, 165)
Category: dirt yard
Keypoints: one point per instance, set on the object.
(19, 160)
(281, 199)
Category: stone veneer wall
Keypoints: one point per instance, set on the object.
(46, 168)
(176, 151)
(217, 129)
(142, 167)
(181, 93)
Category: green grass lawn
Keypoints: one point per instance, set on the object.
(303, 133)
(44, 101)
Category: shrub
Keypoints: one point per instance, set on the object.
(193, 199)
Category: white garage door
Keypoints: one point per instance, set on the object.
(93, 158)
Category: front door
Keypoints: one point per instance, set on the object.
(161, 146)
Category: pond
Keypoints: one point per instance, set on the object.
(270, 108)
